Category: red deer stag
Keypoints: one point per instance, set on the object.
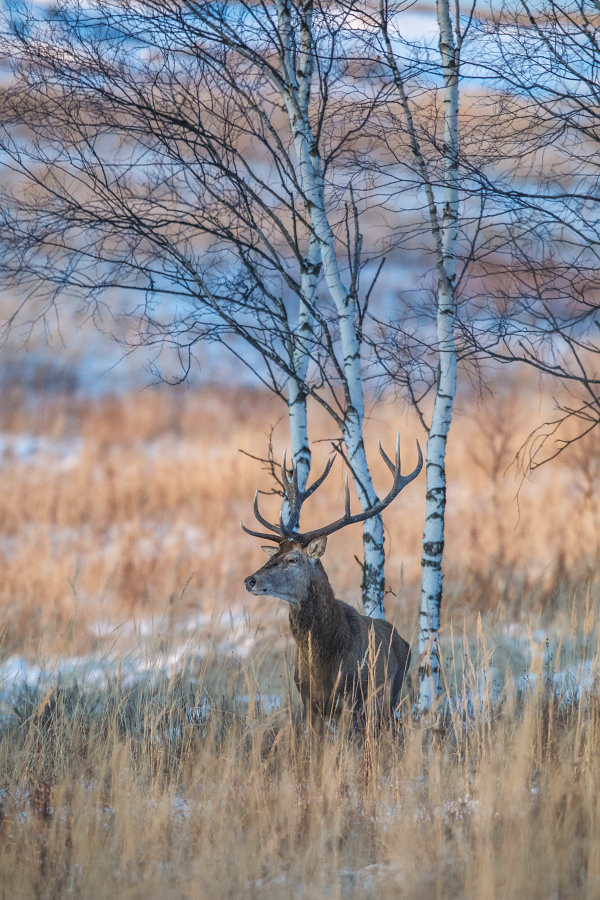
(340, 651)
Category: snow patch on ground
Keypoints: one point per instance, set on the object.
(187, 643)
(163, 647)
(29, 448)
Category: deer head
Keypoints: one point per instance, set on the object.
(290, 571)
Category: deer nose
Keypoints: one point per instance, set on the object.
(250, 583)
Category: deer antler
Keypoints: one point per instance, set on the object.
(296, 498)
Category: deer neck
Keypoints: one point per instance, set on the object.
(317, 620)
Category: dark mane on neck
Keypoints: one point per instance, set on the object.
(319, 615)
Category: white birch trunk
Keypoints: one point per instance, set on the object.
(297, 75)
(298, 420)
(433, 534)
(300, 360)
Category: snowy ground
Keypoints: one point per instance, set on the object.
(481, 688)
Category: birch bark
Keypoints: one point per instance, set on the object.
(300, 355)
(433, 534)
(297, 72)
(444, 231)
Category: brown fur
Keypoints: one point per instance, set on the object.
(342, 655)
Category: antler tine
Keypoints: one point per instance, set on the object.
(394, 469)
(403, 480)
(265, 537)
(261, 518)
(284, 473)
(347, 498)
(296, 497)
(307, 493)
(292, 494)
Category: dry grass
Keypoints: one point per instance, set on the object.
(153, 792)
(128, 507)
(120, 537)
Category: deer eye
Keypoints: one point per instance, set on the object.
(292, 561)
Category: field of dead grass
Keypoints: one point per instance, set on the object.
(167, 790)
(181, 769)
(119, 509)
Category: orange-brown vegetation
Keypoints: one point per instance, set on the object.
(151, 792)
(120, 535)
(129, 506)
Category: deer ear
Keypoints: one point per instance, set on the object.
(316, 548)
(269, 549)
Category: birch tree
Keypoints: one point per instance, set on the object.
(198, 156)
(133, 179)
(432, 162)
(445, 232)
(540, 284)
(528, 179)
(295, 88)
